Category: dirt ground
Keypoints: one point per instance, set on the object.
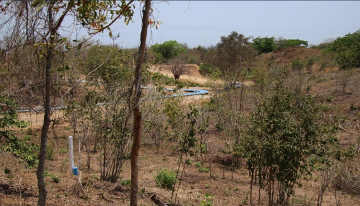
(19, 187)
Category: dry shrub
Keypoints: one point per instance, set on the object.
(349, 184)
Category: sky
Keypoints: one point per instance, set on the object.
(204, 22)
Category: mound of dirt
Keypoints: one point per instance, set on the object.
(192, 73)
(285, 56)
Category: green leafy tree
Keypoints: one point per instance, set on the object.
(283, 43)
(284, 136)
(168, 49)
(346, 50)
(265, 44)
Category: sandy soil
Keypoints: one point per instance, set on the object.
(192, 73)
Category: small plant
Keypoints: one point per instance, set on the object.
(352, 108)
(63, 151)
(50, 152)
(7, 170)
(27, 138)
(208, 200)
(188, 162)
(198, 164)
(47, 172)
(214, 177)
(203, 170)
(125, 182)
(63, 136)
(228, 192)
(329, 99)
(325, 107)
(55, 178)
(166, 179)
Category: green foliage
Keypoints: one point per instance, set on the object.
(50, 153)
(346, 50)
(160, 79)
(188, 139)
(96, 15)
(168, 49)
(8, 119)
(207, 69)
(166, 179)
(284, 131)
(208, 201)
(265, 44)
(291, 43)
(204, 169)
(125, 182)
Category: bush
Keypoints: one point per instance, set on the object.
(208, 69)
(125, 182)
(346, 50)
(166, 179)
(208, 201)
(198, 164)
(204, 169)
(50, 152)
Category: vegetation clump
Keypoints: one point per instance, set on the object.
(166, 179)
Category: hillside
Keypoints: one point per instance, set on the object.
(338, 91)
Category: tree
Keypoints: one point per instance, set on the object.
(283, 43)
(178, 66)
(346, 50)
(137, 115)
(284, 137)
(49, 18)
(265, 44)
(233, 52)
(168, 49)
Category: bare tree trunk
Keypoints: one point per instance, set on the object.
(53, 26)
(251, 187)
(137, 115)
(45, 128)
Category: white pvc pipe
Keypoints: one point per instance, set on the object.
(71, 154)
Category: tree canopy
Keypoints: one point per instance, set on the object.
(347, 50)
(168, 49)
(233, 51)
(264, 44)
(282, 43)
